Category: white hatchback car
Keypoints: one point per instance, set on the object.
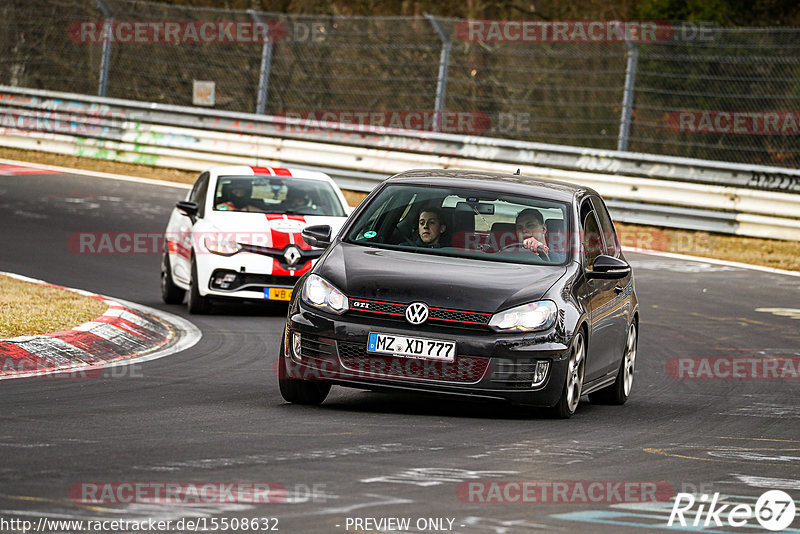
(237, 234)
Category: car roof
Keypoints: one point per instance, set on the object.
(495, 182)
(246, 170)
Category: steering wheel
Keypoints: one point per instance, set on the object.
(540, 250)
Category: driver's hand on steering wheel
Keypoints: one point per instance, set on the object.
(533, 245)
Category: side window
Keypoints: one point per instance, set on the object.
(592, 238)
(612, 247)
(198, 193)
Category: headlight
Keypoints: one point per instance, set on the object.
(221, 244)
(526, 318)
(319, 293)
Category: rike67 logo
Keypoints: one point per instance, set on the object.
(774, 510)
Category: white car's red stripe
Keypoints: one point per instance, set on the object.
(271, 171)
(282, 239)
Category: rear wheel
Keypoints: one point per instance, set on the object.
(197, 303)
(617, 393)
(573, 385)
(299, 391)
(170, 293)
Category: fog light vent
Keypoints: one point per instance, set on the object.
(522, 373)
(296, 350)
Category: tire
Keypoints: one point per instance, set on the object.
(618, 392)
(197, 303)
(573, 383)
(298, 391)
(170, 293)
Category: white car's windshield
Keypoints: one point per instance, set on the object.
(467, 223)
(276, 194)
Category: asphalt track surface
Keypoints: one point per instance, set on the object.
(214, 413)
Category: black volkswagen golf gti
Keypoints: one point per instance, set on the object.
(468, 284)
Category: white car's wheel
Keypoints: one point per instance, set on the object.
(197, 303)
(170, 293)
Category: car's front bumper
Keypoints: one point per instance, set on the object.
(487, 364)
(253, 273)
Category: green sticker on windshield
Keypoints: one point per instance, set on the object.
(370, 234)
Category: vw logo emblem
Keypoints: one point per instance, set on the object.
(417, 313)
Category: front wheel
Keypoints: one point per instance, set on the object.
(197, 303)
(298, 391)
(170, 293)
(617, 393)
(573, 385)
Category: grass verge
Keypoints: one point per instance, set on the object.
(766, 252)
(29, 309)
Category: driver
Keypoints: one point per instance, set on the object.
(531, 231)
(431, 228)
(295, 199)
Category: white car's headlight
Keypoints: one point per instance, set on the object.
(319, 293)
(526, 318)
(221, 244)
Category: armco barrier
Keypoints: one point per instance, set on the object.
(713, 196)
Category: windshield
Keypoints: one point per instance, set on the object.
(276, 194)
(465, 223)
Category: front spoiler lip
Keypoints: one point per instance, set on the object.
(545, 396)
(476, 395)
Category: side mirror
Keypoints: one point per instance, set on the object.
(318, 235)
(187, 208)
(609, 268)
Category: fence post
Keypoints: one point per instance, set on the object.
(105, 60)
(627, 96)
(441, 82)
(266, 62)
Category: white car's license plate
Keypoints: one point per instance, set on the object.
(278, 293)
(413, 347)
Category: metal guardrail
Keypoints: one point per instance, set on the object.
(676, 192)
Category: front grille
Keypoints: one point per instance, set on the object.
(464, 369)
(378, 307)
(248, 280)
(460, 316)
(518, 373)
(278, 254)
(391, 310)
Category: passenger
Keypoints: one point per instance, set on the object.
(431, 228)
(238, 197)
(531, 231)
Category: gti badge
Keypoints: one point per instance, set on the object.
(292, 255)
(417, 313)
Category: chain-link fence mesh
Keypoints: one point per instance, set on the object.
(727, 94)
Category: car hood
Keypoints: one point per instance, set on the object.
(267, 230)
(438, 281)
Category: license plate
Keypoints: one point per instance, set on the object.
(412, 347)
(278, 293)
